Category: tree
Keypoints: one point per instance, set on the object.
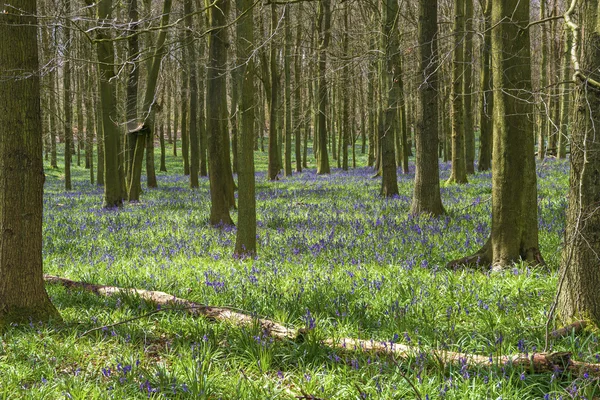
(459, 166)
(245, 243)
(323, 24)
(514, 233)
(426, 196)
(272, 88)
(22, 294)
(193, 85)
(390, 39)
(579, 274)
(216, 113)
(486, 102)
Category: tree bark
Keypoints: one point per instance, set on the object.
(467, 89)
(459, 170)
(579, 276)
(426, 196)
(565, 97)
(68, 101)
(193, 90)
(514, 233)
(22, 295)
(324, 24)
(486, 99)
(216, 110)
(245, 243)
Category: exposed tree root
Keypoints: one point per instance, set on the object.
(481, 259)
(575, 327)
(537, 362)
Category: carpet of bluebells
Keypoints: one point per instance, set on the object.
(334, 258)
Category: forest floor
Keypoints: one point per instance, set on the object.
(334, 259)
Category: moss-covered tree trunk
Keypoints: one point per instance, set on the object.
(245, 243)
(426, 196)
(22, 294)
(216, 113)
(578, 297)
(514, 233)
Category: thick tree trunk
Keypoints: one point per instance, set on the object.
(216, 110)
(426, 196)
(578, 293)
(22, 295)
(514, 233)
(245, 243)
(274, 166)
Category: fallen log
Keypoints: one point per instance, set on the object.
(558, 362)
(197, 309)
(537, 362)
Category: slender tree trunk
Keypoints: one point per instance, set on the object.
(54, 101)
(163, 150)
(426, 196)
(486, 100)
(565, 97)
(468, 88)
(131, 106)
(324, 23)
(194, 164)
(216, 111)
(90, 122)
(23, 298)
(274, 165)
(176, 104)
(68, 101)
(298, 92)
(245, 243)
(390, 44)
(542, 114)
(459, 170)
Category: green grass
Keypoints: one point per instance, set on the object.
(333, 257)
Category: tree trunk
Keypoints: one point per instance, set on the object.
(245, 243)
(426, 196)
(578, 293)
(298, 92)
(193, 90)
(467, 89)
(68, 101)
(459, 172)
(390, 44)
(514, 233)
(486, 100)
(543, 103)
(216, 110)
(287, 66)
(23, 298)
(565, 97)
(324, 23)
(274, 166)
(131, 106)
